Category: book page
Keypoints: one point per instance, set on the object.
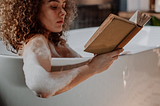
(143, 19)
(140, 18)
(134, 17)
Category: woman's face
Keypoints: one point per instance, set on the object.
(52, 14)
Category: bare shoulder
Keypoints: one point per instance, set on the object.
(37, 38)
(37, 41)
(37, 44)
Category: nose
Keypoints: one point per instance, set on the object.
(62, 12)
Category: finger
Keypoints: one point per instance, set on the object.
(115, 57)
(126, 52)
(95, 54)
(115, 53)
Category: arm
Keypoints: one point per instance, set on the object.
(97, 65)
(37, 69)
(37, 64)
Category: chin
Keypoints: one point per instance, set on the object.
(57, 30)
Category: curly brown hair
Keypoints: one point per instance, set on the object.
(18, 22)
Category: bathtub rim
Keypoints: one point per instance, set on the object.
(21, 57)
(54, 61)
(16, 56)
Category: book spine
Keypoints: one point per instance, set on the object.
(128, 38)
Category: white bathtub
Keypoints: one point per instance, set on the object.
(132, 80)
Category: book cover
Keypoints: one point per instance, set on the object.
(114, 33)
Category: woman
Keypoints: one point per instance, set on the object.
(35, 30)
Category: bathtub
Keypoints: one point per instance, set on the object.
(132, 80)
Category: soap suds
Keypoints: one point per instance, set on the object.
(37, 59)
(41, 81)
(53, 51)
(39, 47)
(38, 52)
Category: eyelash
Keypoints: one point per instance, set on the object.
(55, 7)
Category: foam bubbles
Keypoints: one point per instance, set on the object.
(37, 66)
(42, 82)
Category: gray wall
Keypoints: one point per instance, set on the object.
(123, 5)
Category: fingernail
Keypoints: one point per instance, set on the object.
(121, 50)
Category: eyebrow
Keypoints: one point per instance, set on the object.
(55, 0)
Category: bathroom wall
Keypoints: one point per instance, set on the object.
(157, 5)
(133, 5)
(92, 13)
(123, 5)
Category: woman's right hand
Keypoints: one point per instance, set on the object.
(102, 62)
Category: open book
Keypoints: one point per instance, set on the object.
(115, 32)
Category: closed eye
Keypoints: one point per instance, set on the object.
(54, 7)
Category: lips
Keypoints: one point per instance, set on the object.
(60, 22)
